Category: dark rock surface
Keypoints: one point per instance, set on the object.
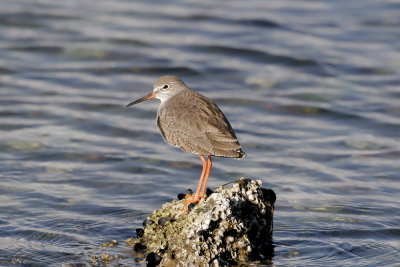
(233, 225)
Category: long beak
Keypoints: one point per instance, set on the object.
(146, 97)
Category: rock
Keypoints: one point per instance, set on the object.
(147, 222)
(209, 192)
(232, 226)
(139, 247)
(181, 196)
(189, 191)
(139, 232)
(152, 259)
(163, 220)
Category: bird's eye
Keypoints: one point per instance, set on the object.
(165, 86)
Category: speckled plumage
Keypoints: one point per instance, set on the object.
(194, 123)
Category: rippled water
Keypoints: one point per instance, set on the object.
(311, 88)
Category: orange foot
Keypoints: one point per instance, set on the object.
(201, 186)
(189, 199)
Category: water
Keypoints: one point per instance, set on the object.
(311, 88)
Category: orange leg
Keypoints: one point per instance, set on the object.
(198, 195)
(203, 160)
(209, 165)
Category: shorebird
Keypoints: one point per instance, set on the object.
(193, 123)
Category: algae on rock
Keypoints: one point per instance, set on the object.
(233, 225)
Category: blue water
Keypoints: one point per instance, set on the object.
(312, 89)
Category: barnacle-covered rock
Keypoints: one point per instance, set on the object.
(233, 225)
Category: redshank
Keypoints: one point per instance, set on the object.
(194, 123)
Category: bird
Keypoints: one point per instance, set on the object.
(194, 123)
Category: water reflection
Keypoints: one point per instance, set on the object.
(311, 89)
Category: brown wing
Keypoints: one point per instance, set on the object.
(194, 123)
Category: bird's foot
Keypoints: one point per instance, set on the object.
(189, 199)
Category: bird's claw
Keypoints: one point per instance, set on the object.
(189, 199)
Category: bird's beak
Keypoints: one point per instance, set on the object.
(146, 97)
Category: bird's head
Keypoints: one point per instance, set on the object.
(163, 88)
